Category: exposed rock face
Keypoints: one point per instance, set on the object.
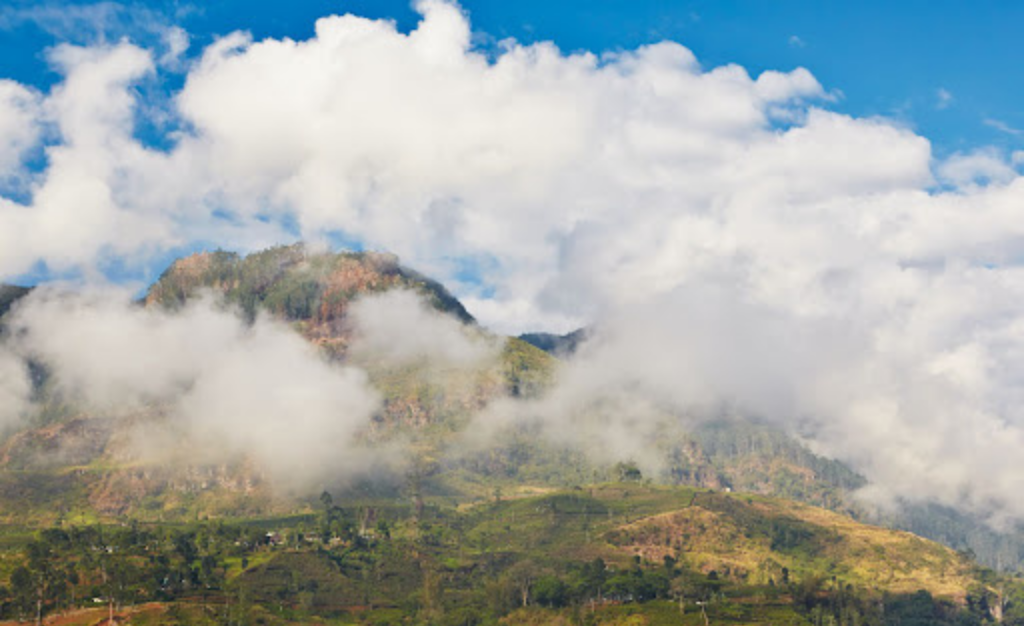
(77, 441)
(309, 288)
(155, 491)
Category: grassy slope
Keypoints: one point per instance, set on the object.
(754, 538)
(744, 537)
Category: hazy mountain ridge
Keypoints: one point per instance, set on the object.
(9, 295)
(558, 345)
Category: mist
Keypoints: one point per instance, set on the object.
(15, 390)
(657, 369)
(926, 405)
(398, 327)
(217, 388)
(228, 389)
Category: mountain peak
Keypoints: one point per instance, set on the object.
(308, 286)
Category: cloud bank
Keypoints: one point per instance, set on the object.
(258, 390)
(227, 388)
(735, 241)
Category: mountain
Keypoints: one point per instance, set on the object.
(9, 295)
(311, 288)
(558, 345)
(723, 505)
(79, 463)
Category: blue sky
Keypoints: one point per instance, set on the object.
(945, 68)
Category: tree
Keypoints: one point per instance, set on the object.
(46, 581)
(628, 472)
(522, 575)
(594, 574)
(501, 596)
(22, 589)
(550, 591)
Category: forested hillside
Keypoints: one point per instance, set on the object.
(619, 553)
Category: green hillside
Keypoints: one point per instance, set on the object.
(617, 553)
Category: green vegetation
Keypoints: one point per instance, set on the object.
(607, 554)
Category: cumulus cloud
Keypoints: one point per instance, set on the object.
(257, 390)
(863, 290)
(978, 167)
(74, 213)
(177, 41)
(410, 142)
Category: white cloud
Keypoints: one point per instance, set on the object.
(981, 166)
(1002, 126)
(19, 126)
(64, 21)
(97, 23)
(774, 86)
(177, 41)
(943, 98)
(75, 213)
